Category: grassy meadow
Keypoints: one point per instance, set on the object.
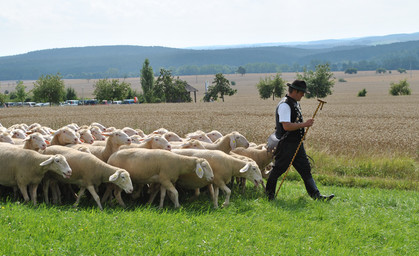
(365, 151)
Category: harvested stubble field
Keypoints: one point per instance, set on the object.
(375, 125)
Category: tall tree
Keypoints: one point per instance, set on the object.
(147, 81)
(241, 70)
(49, 88)
(221, 85)
(319, 82)
(20, 92)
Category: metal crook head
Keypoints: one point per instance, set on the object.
(322, 102)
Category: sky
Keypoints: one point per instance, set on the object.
(30, 25)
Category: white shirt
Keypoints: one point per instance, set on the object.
(284, 112)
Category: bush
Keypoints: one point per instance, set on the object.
(362, 93)
(342, 80)
(351, 71)
(401, 88)
(381, 70)
(401, 70)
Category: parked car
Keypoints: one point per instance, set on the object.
(72, 102)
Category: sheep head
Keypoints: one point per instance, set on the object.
(58, 164)
(238, 140)
(122, 179)
(204, 170)
(252, 172)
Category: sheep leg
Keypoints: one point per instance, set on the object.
(79, 195)
(137, 192)
(118, 197)
(24, 191)
(162, 196)
(211, 191)
(154, 189)
(228, 193)
(108, 193)
(56, 193)
(216, 191)
(32, 191)
(173, 193)
(45, 189)
(92, 191)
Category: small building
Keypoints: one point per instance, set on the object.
(190, 89)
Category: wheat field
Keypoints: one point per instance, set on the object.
(378, 124)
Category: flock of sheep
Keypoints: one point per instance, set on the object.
(107, 161)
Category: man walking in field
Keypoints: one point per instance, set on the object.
(290, 130)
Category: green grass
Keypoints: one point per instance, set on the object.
(368, 221)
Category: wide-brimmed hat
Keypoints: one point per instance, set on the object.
(299, 85)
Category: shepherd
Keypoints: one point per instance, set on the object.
(290, 132)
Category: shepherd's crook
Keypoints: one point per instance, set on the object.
(321, 103)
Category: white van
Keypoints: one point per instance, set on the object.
(71, 102)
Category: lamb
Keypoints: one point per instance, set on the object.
(228, 142)
(115, 140)
(137, 139)
(89, 172)
(22, 167)
(160, 166)
(18, 134)
(224, 167)
(214, 135)
(65, 136)
(152, 142)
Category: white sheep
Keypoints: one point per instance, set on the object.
(171, 136)
(100, 126)
(261, 156)
(115, 140)
(65, 136)
(152, 142)
(192, 144)
(136, 139)
(6, 137)
(141, 133)
(89, 172)
(22, 167)
(129, 131)
(18, 134)
(224, 168)
(86, 136)
(228, 142)
(160, 166)
(214, 135)
(97, 133)
(199, 135)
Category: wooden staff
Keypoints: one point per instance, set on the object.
(321, 103)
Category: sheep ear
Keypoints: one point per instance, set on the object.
(114, 176)
(199, 171)
(245, 168)
(106, 134)
(48, 161)
(232, 142)
(27, 138)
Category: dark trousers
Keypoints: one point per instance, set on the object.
(301, 164)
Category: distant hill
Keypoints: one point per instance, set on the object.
(126, 61)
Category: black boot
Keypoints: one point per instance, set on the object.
(270, 188)
(314, 192)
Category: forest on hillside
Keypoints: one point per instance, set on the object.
(126, 61)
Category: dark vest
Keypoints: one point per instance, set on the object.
(296, 117)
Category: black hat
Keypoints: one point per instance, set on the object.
(299, 85)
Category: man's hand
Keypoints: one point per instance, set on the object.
(295, 126)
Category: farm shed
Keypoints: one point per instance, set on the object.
(190, 89)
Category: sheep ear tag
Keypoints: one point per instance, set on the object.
(199, 171)
(232, 143)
